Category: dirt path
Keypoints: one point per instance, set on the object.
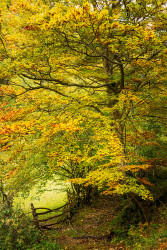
(94, 221)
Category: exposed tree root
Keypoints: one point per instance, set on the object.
(107, 236)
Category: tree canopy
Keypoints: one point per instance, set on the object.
(83, 84)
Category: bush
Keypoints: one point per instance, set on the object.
(17, 232)
(15, 229)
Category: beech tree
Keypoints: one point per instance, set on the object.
(103, 65)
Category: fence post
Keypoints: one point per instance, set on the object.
(69, 208)
(35, 216)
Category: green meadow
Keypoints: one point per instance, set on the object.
(52, 195)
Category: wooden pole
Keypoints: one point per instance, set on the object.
(35, 216)
(69, 209)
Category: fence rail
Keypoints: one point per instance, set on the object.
(65, 214)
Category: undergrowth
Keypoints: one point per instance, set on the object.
(18, 232)
(143, 236)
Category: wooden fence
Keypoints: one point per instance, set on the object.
(63, 213)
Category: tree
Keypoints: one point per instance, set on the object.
(107, 59)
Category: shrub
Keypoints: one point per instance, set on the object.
(16, 230)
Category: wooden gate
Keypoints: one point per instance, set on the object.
(63, 213)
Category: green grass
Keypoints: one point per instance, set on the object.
(51, 196)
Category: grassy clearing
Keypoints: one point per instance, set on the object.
(51, 196)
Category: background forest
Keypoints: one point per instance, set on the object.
(83, 99)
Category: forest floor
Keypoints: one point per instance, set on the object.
(89, 227)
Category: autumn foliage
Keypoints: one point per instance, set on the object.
(83, 93)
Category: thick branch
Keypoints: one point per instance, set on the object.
(57, 81)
